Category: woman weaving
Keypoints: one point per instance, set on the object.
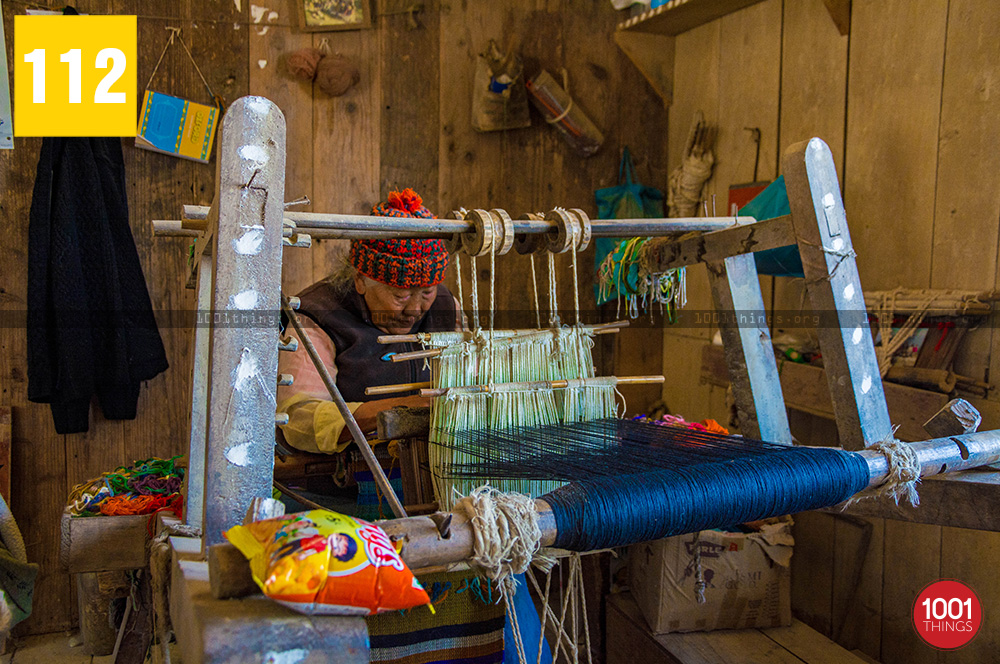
(392, 287)
(387, 287)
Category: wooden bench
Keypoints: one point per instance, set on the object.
(629, 641)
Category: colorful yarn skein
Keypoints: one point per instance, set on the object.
(146, 487)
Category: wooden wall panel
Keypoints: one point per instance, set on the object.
(912, 560)
(969, 556)
(893, 105)
(857, 583)
(271, 45)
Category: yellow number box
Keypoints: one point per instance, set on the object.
(75, 75)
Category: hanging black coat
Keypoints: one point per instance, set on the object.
(91, 328)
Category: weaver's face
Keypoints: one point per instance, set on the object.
(395, 310)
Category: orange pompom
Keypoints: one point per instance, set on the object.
(406, 200)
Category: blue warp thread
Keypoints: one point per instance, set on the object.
(607, 512)
(634, 482)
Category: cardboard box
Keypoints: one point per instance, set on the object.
(747, 580)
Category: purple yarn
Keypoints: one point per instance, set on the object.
(149, 485)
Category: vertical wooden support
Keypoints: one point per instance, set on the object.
(194, 479)
(753, 373)
(835, 292)
(246, 249)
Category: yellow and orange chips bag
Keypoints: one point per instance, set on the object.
(321, 562)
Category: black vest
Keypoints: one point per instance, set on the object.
(348, 323)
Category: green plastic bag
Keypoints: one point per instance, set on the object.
(626, 200)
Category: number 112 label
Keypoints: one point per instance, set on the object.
(75, 76)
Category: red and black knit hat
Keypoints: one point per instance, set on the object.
(412, 263)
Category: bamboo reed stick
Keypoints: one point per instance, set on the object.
(598, 329)
(393, 389)
(538, 385)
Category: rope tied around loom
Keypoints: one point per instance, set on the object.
(506, 534)
(904, 473)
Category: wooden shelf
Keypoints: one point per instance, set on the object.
(648, 39)
(804, 388)
(679, 16)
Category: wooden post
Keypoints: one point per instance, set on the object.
(835, 292)
(246, 248)
(194, 478)
(753, 373)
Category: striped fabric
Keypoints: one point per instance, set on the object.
(467, 627)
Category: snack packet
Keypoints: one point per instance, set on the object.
(325, 563)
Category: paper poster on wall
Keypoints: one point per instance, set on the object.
(177, 126)
(6, 124)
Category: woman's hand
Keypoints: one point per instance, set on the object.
(367, 412)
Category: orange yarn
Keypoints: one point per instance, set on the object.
(406, 200)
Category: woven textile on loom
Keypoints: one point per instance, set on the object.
(372, 505)
(512, 364)
(467, 626)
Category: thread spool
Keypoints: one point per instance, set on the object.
(503, 231)
(525, 243)
(454, 243)
(586, 230)
(479, 241)
(567, 231)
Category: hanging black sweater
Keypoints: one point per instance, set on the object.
(91, 328)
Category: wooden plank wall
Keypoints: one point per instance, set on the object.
(407, 123)
(907, 103)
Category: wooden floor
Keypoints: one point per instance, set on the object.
(49, 649)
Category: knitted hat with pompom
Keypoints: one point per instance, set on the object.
(404, 263)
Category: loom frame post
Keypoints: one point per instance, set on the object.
(834, 288)
(746, 340)
(194, 479)
(245, 250)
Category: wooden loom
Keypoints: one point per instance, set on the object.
(237, 261)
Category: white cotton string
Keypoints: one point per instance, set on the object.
(534, 291)
(553, 303)
(458, 278)
(475, 295)
(576, 285)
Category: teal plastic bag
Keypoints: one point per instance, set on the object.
(626, 200)
(768, 204)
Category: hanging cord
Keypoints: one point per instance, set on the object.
(553, 302)
(458, 278)
(574, 241)
(534, 291)
(475, 294)
(176, 33)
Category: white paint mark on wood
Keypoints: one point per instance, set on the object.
(262, 31)
(239, 5)
(262, 63)
(245, 300)
(253, 153)
(257, 13)
(285, 656)
(239, 455)
(849, 292)
(251, 242)
(258, 105)
(858, 334)
(866, 384)
(838, 244)
(246, 371)
(272, 16)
